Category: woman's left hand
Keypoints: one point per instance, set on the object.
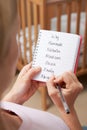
(24, 86)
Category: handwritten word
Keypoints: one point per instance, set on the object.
(48, 70)
(44, 76)
(54, 43)
(53, 50)
(52, 57)
(55, 37)
(49, 63)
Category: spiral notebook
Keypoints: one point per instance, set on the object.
(56, 52)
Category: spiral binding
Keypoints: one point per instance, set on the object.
(36, 50)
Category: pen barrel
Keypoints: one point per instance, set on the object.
(65, 105)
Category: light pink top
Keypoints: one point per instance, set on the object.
(35, 119)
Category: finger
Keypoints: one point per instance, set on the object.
(51, 86)
(27, 67)
(24, 70)
(42, 84)
(50, 81)
(39, 84)
(73, 76)
(64, 78)
(33, 72)
(76, 81)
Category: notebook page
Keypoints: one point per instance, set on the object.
(56, 53)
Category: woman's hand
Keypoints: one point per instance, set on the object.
(24, 86)
(70, 87)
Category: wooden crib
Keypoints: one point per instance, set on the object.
(60, 15)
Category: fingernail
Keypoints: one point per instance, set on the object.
(38, 68)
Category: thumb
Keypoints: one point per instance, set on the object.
(33, 72)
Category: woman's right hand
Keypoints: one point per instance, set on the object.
(71, 88)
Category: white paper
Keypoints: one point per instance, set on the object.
(56, 52)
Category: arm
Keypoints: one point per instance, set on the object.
(71, 88)
(24, 86)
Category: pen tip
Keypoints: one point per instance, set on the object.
(67, 111)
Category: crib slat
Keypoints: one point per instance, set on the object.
(42, 15)
(68, 16)
(29, 22)
(59, 6)
(35, 14)
(19, 29)
(78, 5)
(23, 28)
(48, 12)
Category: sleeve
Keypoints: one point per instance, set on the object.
(9, 120)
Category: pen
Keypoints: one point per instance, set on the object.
(65, 105)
